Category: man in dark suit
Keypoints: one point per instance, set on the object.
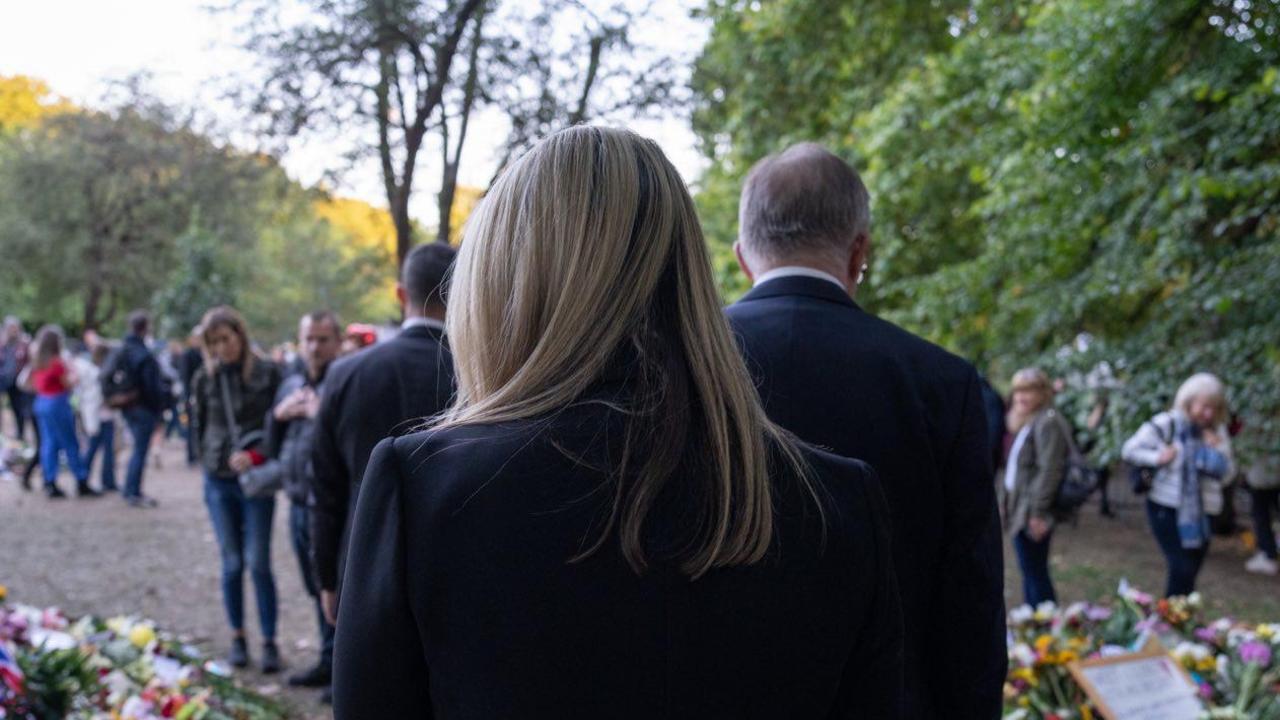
(843, 379)
(385, 390)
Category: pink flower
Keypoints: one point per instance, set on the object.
(1255, 652)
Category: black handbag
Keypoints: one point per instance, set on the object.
(1079, 482)
(1142, 477)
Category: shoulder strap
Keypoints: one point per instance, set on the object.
(227, 411)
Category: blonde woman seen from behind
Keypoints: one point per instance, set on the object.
(1028, 482)
(605, 524)
(1190, 450)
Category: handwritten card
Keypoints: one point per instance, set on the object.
(1147, 685)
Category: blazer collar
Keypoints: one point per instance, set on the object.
(799, 285)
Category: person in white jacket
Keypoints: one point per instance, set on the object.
(1190, 450)
(97, 419)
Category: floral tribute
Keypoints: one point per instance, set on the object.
(52, 666)
(1234, 664)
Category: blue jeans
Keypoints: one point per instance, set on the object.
(106, 440)
(1033, 560)
(142, 424)
(243, 527)
(1184, 563)
(300, 529)
(58, 435)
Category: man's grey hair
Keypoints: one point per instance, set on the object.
(802, 202)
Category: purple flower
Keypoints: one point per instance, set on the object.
(1206, 635)
(1098, 612)
(1256, 652)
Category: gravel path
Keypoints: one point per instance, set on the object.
(105, 558)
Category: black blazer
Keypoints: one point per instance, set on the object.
(460, 601)
(385, 390)
(845, 380)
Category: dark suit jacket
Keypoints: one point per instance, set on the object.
(460, 601)
(388, 389)
(845, 380)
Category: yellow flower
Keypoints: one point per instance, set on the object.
(1207, 664)
(1067, 656)
(1027, 675)
(142, 635)
(1264, 631)
(1086, 713)
(1043, 642)
(4, 593)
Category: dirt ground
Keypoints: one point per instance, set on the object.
(99, 556)
(1088, 560)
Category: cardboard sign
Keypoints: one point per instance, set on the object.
(1146, 685)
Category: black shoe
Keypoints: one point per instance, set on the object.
(109, 489)
(270, 658)
(239, 656)
(53, 492)
(318, 676)
(140, 501)
(326, 697)
(83, 490)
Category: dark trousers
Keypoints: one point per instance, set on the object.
(20, 404)
(1184, 563)
(105, 440)
(243, 527)
(1033, 561)
(1264, 501)
(35, 460)
(57, 423)
(142, 425)
(300, 529)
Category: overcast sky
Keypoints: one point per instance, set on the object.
(79, 46)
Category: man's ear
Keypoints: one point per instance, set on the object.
(858, 257)
(742, 261)
(402, 296)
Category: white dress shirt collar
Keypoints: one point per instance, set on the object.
(422, 322)
(798, 271)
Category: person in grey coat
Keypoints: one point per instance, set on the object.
(1028, 482)
(290, 434)
(1190, 450)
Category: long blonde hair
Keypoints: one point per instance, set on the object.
(588, 248)
(1028, 380)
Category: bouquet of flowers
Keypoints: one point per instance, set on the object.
(1232, 663)
(117, 669)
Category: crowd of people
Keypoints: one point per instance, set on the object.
(574, 485)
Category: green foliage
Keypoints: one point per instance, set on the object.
(55, 683)
(1039, 171)
(101, 212)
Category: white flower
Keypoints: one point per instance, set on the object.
(1023, 655)
(1021, 615)
(1045, 610)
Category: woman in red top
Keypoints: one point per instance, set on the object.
(52, 381)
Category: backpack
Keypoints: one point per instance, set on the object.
(120, 386)
(1142, 477)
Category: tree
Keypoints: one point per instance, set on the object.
(382, 64)
(1068, 183)
(92, 201)
(413, 75)
(24, 101)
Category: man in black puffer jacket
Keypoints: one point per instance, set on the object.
(290, 428)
